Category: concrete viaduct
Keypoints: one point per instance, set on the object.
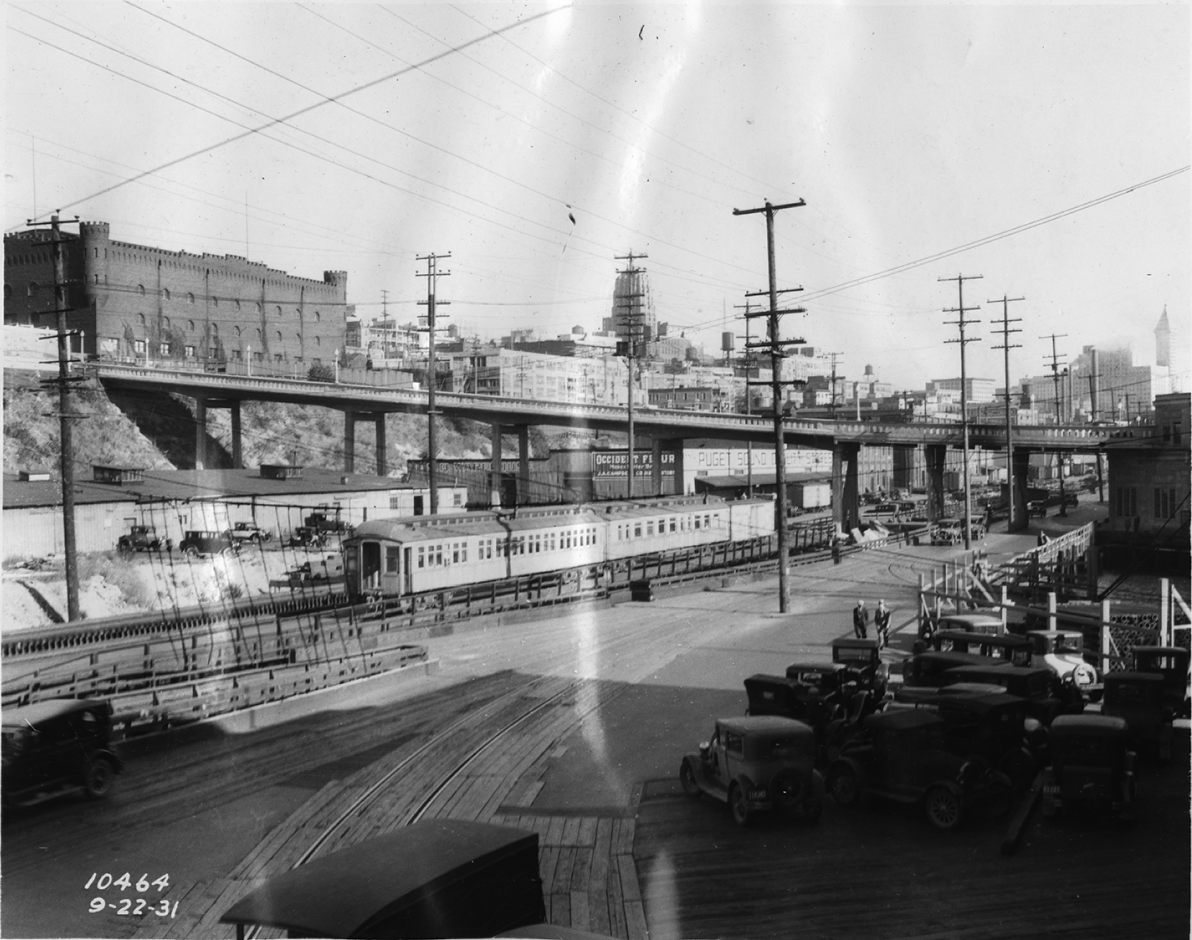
(666, 430)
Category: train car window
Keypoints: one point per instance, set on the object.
(439, 555)
(392, 553)
(421, 557)
(707, 521)
(697, 522)
(650, 527)
(672, 523)
(637, 530)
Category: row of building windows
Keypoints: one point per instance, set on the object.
(645, 528)
(165, 350)
(236, 331)
(34, 287)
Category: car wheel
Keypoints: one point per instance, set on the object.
(844, 785)
(190, 551)
(739, 805)
(687, 779)
(943, 807)
(97, 779)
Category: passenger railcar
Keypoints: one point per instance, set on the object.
(413, 554)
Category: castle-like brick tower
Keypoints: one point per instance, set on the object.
(138, 302)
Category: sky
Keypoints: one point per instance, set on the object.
(1043, 149)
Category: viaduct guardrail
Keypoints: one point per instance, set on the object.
(654, 421)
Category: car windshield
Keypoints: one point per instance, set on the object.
(1069, 644)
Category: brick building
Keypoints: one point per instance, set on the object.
(138, 302)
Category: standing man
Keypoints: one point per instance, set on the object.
(860, 620)
(881, 620)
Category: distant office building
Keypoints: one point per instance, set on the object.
(633, 305)
(1163, 341)
(976, 390)
(138, 302)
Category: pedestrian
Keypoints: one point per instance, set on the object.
(860, 620)
(881, 621)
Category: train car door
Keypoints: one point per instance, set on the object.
(370, 565)
(409, 582)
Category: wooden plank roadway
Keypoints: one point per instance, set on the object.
(586, 859)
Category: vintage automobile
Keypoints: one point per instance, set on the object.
(207, 542)
(1170, 662)
(306, 537)
(970, 623)
(1062, 651)
(326, 520)
(901, 755)
(931, 667)
(1047, 695)
(248, 532)
(990, 726)
(1139, 698)
(58, 746)
(947, 532)
(140, 538)
(1092, 766)
(1036, 507)
(863, 664)
(1005, 647)
(757, 763)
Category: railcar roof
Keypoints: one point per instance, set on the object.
(408, 529)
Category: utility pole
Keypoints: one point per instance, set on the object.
(961, 322)
(747, 307)
(432, 275)
(1055, 380)
(65, 416)
(632, 324)
(832, 403)
(775, 346)
(1006, 347)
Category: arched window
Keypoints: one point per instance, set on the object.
(165, 294)
(279, 313)
(141, 318)
(165, 322)
(317, 317)
(215, 329)
(258, 307)
(141, 289)
(258, 334)
(190, 298)
(237, 303)
(279, 336)
(238, 331)
(215, 301)
(318, 342)
(32, 288)
(190, 324)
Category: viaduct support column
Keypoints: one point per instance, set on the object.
(382, 446)
(1018, 483)
(349, 442)
(846, 500)
(200, 433)
(237, 448)
(523, 464)
(936, 459)
(494, 485)
(656, 466)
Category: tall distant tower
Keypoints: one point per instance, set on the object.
(1163, 341)
(623, 303)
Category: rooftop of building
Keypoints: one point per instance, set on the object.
(194, 484)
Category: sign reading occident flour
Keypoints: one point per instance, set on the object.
(613, 464)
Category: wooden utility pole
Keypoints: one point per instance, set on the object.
(632, 324)
(65, 416)
(774, 344)
(1006, 347)
(747, 307)
(432, 275)
(1055, 381)
(961, 322)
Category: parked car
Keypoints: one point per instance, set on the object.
(1092, 766)
(248, 532)
(970, 623)
(1048, 696)
(208, 542)
(990, 726)
(1062, 651)
(140, 538)
(1036, 507)
(863, 664)
(947, 532)
(327, 521)
(1170, 662)
(58, 746)
(757, 763)
(884, 508)
(1012, 649)
(306, 537)
(901, 755)
(931, 669)
(1139, 698)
